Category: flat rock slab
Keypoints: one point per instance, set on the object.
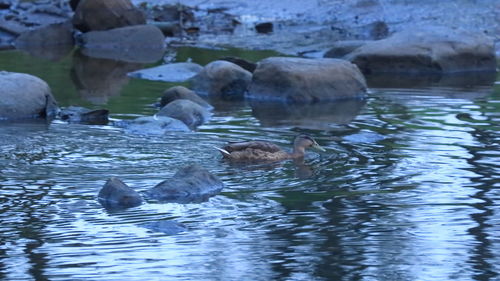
(427, 50)
(172, 72)
(299, 80)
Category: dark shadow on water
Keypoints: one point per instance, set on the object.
(317, 116)
(99, 79)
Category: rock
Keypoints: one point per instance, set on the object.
(222, 79)
(25, 96)
(139, 43)
(427, 50)
(116, 194)
(171, 72)
(91, 15)
(264, 27)
(168, 227)
(247, 65)
(299, 80)
(342, 48)
(76, 114)
(190, 184)
(152, 125)
(181, 92)
(52, 41)
(191, 113)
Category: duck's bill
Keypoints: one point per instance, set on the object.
(318, 147)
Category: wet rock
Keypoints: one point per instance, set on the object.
(342, 48)
(171, 72)
(247, 65)
(92, 15)
(190, 184)
(152, 125)
(168, 227)
(264, 27)
(191, 113)
(116, 194)
(76, 114)
(125, 44)
(299, 80)
(181, 92)
(222, 79)
(427, 50)
(52, 41)
(25, 96)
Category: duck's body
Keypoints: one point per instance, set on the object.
(263, 151)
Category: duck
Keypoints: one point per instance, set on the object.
(263, 151)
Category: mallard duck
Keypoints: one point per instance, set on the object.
(263, 151)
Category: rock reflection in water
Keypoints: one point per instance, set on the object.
(98, 79)
(307, 116)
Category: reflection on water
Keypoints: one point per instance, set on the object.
(407, 190)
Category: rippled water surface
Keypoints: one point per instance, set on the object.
(408, 189)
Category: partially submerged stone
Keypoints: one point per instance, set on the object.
(77, 114)
(172, 72)
(152, 125)
(167, 227)
(116, 194)
(427, 50)
(341, 48)
(25, 96)
(222, 79)
(181, 92)
(191, 113)
(93, 15)
(190, 184)
(299, 80)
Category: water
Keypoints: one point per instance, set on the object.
(409, 187)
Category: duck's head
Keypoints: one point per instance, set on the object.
(304, 141)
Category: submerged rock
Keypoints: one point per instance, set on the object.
(427, 50)
(222, 79)
(299, 80)
(76, 114)
(190, 184)
(191, 113)
(116, 194)
(168, 227)
(181, 92)
(93, 15)
(172, 72)
(152, 125)
(341, 48)
(25, 96)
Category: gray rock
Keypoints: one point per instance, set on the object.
(168, 227)
(299, 80)
(116, 194)
(342, 48)
(152, 125)
(125, 43)
(427, 50)
(93, 15)
(172, 72)
(190, 184)
(25, 96)
(76, 114)
(191, 113)
(181, 92)
(222, 79)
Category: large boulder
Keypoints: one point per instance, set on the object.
(25, 96)
(93, 15)
(181, 92)
(300, 80)
(138, 43)
(222, 79)
(191, 113)
(152, 125)
(116, 194)
(190, 184)
(427, 50)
